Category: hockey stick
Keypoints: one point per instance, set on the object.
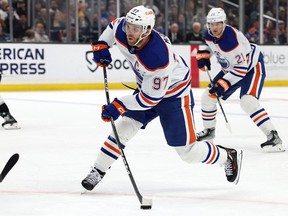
(145, 203)
(219, 102)
(9, 165)
(127, 86)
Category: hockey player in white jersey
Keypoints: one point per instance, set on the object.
(242, 67)
(9, 121)
(164, 91)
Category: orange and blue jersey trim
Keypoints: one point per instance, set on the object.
(179, 87)
(147, 101)
(239, 71)
(189, 119)
(111, 149)
(255, 86)
(212, 155)
(259, 117)
(208, 115)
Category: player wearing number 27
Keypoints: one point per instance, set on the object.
(164, 91)
(242, 67)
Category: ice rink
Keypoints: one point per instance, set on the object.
(61, 133)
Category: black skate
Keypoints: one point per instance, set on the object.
(10, 122)
(233, 164)
(92, 179)
(206, 134)
(273, 143)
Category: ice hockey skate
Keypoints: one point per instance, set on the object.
(10, 122)
(233, 164)
(273, 143)
(206, 134)
(92, 179)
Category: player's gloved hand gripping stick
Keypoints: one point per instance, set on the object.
(219, 102)
(204, 64)
(145, 203)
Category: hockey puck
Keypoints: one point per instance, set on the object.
(146, 204)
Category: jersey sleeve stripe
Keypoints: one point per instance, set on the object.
(241, 71)
(177, 93)
(151, 98)
(148, 101)
(186, 77)
(180, 86)
(140, 102)
(236, 74)
(240, 68)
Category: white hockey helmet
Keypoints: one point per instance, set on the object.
(141, 15)
(216, 15)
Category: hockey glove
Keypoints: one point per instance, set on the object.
(113, 110)
(101, 53)
(203, 59)
(220, 87)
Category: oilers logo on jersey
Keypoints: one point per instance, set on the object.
(222, 61)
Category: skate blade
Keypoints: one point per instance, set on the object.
(239, 161)
(84, 191)
(273, 149)
(11, 126)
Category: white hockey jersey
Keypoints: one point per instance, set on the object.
(160, 72)
(236, 55)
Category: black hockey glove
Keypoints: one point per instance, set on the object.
(113, 110)
(101, 53)
(220, 87)
(203, 59)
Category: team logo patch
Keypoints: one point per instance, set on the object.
(222, 61)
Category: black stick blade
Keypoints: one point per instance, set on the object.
(9, 165)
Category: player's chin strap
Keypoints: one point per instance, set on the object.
(219, 102)
(141, 38)
(142, 200)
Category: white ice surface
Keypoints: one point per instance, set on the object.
(62, 132)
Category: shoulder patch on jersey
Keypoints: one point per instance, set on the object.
(229, 40)
(155, 54)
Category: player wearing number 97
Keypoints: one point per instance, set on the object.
(242, 67)
(164, 91)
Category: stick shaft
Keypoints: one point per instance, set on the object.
(140, 197)
(220, 104)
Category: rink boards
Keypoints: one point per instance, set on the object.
(70, 67)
